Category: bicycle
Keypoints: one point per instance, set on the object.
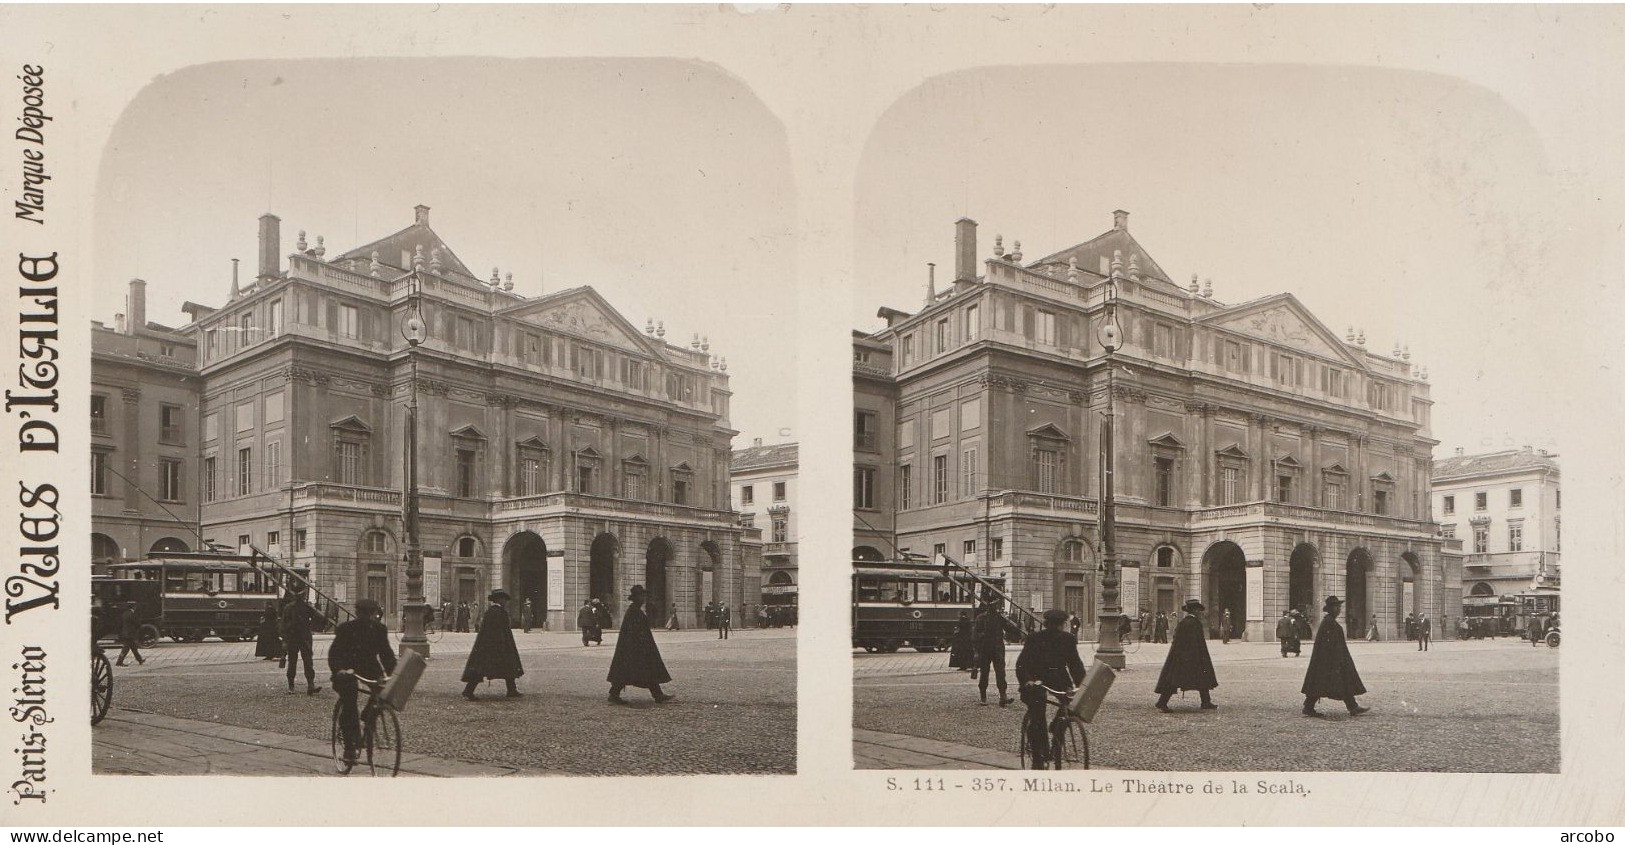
(1130, 643)
(380, 741)
(1069, 739)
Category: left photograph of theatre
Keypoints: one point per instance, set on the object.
(369, 511)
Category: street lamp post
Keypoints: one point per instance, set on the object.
(416, 331)
(1109, 648)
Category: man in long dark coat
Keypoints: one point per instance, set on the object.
(495, 655)
(1331, 670)
(1188, 667)
(989, 636)
(587, 621)
(1286, 630)
(962, 654)
(1160, 629)
(637, 660)
(462, 617)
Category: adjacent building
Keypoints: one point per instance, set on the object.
(764, 493)
(1505, 508)
(564, 453)
(1263, 461)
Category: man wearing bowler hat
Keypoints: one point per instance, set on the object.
(1331, 670)
(637, 660)
(1188, 667)
(494, 655)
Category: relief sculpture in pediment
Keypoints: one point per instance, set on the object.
(1282, 325)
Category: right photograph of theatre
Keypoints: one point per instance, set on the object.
(1257, 478)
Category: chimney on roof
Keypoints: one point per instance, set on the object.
(930, 283)
(136, 305)
(965, 250)
(420, 215)
(118, 323)
(1120, 220)
(756, 442)
(1460, 451)
(270, 246)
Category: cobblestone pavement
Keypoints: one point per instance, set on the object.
(1468, 706)
(735, 710)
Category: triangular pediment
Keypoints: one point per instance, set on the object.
(1233, 451)
(637, 459)
(1287, 461)
(1094, 256)
(1383, 476)
(532, 443)
(1167, 440)
(588, 453)
(399, 250)
(351, 423)
(682, 467)
(1335, 469)
(583, 313)
(1047, 431)
(1282, 320)
(468, 432)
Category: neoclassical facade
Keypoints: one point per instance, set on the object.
(766, 480)
(1505, 508)
(1262, 460)
(563, 453)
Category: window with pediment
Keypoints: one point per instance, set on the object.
(468, 445)
(1167, 454)
(635, 478)
(587, 465)
(352, 440)
(1285, 484)
(533, 467)
(1233, 464)
(1048, 448)
(682, 484)
(1382, 493)
(1334, 485)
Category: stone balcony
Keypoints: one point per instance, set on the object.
(434, 503)
(1305, 516)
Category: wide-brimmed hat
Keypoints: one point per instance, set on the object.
(1194, 604)
(638, 591)
(500, 595)
(1296, 612)
(1331, 601)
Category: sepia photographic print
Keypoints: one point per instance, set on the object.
(449, 416)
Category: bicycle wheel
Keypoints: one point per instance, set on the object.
(101, 686)
(383, 742)
(1070, 746)
(1131, 646)
(1026, 752)
(336, 737)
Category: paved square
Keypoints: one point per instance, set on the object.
(1469, 706)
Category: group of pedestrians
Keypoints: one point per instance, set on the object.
(592, 619)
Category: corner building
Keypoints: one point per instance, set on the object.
(1262, 461)
(563, 453)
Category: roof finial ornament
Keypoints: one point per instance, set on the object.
(417, 258)
(321, 247)
(695, 343)
(1117, 263)
(705, 344)
(496, 276)
(724, 366)
(1195, 287)
(1424, 373)
(649, 327)
(1072, 269)
(376, 266)
(1207, 288)
(1350, 336)
(1396, 350)
(660, 330)
(434, 261)
(300, 244)
(1016, 254)
(1360, 338)
(1134, 266)
(998, 246)
(507, 281)
(1407, 353)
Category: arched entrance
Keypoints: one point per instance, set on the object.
(780, 579)
(103, 551)
(524, 564)
(655, 562)
(1224, 574)
(1356, 575)
(868, 553)
(1301, 580)
(1482, 589)
(706, 582)
(1074, 585)
(601, 570)
(1407, 590)
(167, 546)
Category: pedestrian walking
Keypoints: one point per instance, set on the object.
(268, 645)
(725, 622)
(1160, 628)
(605, 620)
(1224, 626)
(587, 621)
(1372, 635)
(129, 634)
(989, 636)
(1125, 628)
(1286, 630)
(448, 617)
(962, 648)
(462, 617)
(1537, 630)
(637, 660)
(1424, 633)
(1188, 666)
(494, 655)
(527, 616)
(298, 623)
(1049, 658)
(1331, 671)
(360, 649)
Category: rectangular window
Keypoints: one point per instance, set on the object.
(245, 416)
(634, 485)
(1558, 505)
(1332, 384)
(1557, 535)
(169, 424)
(973, 323)
(1448, 531)
(1334, 495)
(273, 407)
(1481, 539)
(584, 479)
(1515, 498)
(747, 495)
(967, 472)
(169, 480)
(905, 351)
(939, 550)
(968, 550)
(274, 324)
(530, 476)
(781, 529)
(1162, 340)
(209, 475)
(1481, 501)
(98, 473)
(1229, 485)
(349, 321)
(98, 414)
(273, 463)
(1449, 505)
(1234, 361)
(245, 330)
(273, 539)
(211, 343)
(1165, 481)
(1046, 463)
(863, 430)
(1044, 328)
(350, 462)
(939, 479)
(465, 472)
(905, 486)
(679, 490)
(778, 491)
(995, 548)
(943, 335)
(1283, 488)
(245, 471)
(863, 488)
(940, 423)
(1515, 536)
(1379, 500)
(299, 539)
(243, 542)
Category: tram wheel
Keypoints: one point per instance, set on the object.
(149, 635)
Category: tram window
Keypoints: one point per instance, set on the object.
(231, 582)
(867, 591)
(922, 591)
(175, 582)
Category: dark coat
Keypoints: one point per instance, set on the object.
(494, 654)
(298, 621)
(1051, 658)
(586, 617)
(963, 653)
(1331, 671)
(637, 660)
(1188, 666)
(269, 643)
(989, 631)
(604, 620)
(1286, 628)
(362, 646)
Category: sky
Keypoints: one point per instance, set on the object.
(1413, 206)
(664, 184)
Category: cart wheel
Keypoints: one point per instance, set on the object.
(1553, 639)
(101, 686)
